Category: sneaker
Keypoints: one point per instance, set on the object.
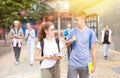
(17, 62)
(31, 64)
(105, 57)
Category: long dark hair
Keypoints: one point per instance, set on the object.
(44, 26)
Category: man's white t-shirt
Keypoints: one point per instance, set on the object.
(50, 48)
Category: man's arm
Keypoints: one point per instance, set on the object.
(68, 42)
(93, 53)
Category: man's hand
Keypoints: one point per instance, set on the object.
(74, 38)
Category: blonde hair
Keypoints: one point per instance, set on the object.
(16, 21)
(80, 13)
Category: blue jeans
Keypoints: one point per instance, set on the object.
(73, 72)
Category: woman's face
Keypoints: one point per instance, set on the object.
(106, 27)
(79, 21)
(28, 26)
(16, 24)
(50, 31)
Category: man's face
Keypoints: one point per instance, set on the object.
(79, 21)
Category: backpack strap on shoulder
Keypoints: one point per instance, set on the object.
(17, 31)
(42, 46)
(90, 38)
(57, 41)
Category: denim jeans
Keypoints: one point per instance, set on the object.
(74, 72)
(105, 47)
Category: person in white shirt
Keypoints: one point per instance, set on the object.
(16, 34)
(50, 66)
(30, 39)
(106, 40)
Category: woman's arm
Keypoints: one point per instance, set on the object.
(38, 56)
(21, 36)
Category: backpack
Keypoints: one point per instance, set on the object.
(42, 46)
(65, 32)
(17, 31)
(75, 33)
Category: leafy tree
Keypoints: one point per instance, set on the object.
(22, 10)
(11, 10)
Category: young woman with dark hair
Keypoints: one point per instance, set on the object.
(50, 66)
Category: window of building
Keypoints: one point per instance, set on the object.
(92, 22)
(63, 22)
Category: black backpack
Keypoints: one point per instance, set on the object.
(17, 31)
(42, 46)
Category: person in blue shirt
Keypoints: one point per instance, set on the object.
(66, 32)
(84, 41)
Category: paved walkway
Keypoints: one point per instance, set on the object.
(105, 68)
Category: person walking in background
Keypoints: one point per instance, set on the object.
(66, 32)
(30, 39)
(106, 40)
(49, 48)
(16, 34)
(83, 40)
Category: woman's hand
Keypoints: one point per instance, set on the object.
(48, 57)
(53, 57)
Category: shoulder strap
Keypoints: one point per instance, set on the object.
(90, 37)
(18, 30)
(42, 46)
(74, 31)
(15, 31)
(57, 41)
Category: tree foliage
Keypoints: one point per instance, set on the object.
(11, 10)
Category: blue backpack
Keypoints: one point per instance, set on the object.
(75, 33)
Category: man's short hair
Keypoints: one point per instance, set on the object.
(80, 13)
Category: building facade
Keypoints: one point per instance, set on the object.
(108, 12)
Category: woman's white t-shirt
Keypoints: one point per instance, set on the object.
(50, 48)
